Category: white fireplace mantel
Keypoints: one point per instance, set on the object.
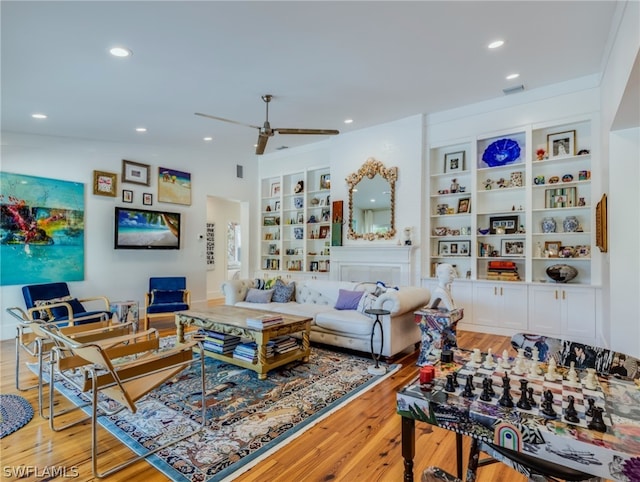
(388, 263)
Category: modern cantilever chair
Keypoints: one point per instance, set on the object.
(166, 295)
(124, 374)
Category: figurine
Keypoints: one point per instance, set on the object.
(446, 274)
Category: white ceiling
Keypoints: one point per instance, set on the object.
(323, 61)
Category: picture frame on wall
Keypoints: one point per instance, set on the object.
(127, 196)
(513, 248)
(602, 239)
(561, 144)
(147, 199)
(136, 172)
(105, 183)
(174, 186)
(454, 162)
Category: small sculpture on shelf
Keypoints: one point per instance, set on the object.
(454, 185)
(540, 154)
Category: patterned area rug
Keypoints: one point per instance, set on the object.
(247, 419)
(15, 412)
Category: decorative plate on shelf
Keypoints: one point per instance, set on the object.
(501, 152)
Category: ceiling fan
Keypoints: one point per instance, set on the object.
(267, 131)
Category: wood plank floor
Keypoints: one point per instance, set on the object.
(360, 442)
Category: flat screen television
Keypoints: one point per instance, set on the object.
(146, 229)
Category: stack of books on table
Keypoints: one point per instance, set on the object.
(219, 342)
(285, 344)
(264, 321)
(248, 351)
(502, 271)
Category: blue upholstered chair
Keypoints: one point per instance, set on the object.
(166, 295)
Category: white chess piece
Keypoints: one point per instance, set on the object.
(572, 376)
(591, 382)
(534, 369)
(505, 360)
(519, 366)
(535, 354)
(477, 356)
(551, 370)
(488, 360)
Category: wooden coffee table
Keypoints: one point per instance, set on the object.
(232, 320)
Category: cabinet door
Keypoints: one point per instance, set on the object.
(579, 306)
(514, 306)
(487, 304)
(545, 313)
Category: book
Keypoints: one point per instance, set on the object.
(264, 321)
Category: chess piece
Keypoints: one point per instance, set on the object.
(506, 400)
(505, 360)
(591, 405)
(535, 354)
(547, 405)
(523, 403)
(590, 381)
(519, 367)
(530, 398)
(597, 422)
(489, 363)
(572, 375)
(570, 413)
(476, 357)
(468, 387)
(551, 370)
(455, 379)
(486, 390)
(534, 369)
(449, 387)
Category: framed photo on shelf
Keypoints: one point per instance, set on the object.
(325, 181)
(454, 162)
(269, 221)
(127, 196)
(136, 173)
(512, 248)
(277, 206)
(324, 232)
(601, 225)
(561, 144)
(105, 183)
(464, 204)
(454, 248)
(147, 199)
(509, 223)
(553, 248)
(275, 189)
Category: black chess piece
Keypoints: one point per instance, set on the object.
(486, 393)
(468, 387)
(449, 386)
(530, 398)
(547, 405)
(490, 389)
(506, 400)
(591, 402)
(570, 413)
(455, 380)
(597, 422)
(523, 403)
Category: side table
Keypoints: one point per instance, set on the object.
(377, 369)
(126, 311)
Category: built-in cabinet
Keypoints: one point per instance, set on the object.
(505, 206)
(296, 222)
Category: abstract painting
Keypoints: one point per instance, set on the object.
(41, 230)
(174, 186)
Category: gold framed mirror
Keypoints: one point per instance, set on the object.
(372, 194)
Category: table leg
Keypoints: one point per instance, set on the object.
(459, 454)
(408, 446)
(179, 330)
(306, 342)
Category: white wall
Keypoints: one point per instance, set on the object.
(122, 274)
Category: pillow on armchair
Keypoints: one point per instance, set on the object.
(167, 296)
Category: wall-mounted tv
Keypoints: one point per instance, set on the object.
(146, 229)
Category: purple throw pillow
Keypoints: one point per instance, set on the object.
(348, 300)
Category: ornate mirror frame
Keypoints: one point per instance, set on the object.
(370, 168)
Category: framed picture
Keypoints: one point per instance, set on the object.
(147, 199)
(509, 223)
(275, 189)
(269, 221)
(298, 233)
(324, 232)
(325, 181)
(553, 248)
(174, 186)
(454, 162)
(277, 206)
(135, 173)
(313, 266)
(105, 183)
(300, 219)
(127, 196)
(562, 144)
(464, 205)
(454, 248)
(601, 224)
(512, 248)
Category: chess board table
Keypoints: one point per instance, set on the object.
(613, 454)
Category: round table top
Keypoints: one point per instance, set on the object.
(377, 312)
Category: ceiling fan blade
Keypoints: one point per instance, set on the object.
(226, 120)
(262, 143)
(324, 132)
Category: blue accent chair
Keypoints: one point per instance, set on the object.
(166, 295)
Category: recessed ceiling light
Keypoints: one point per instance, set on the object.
(39, 116)
(120, 52)
(512, 76)
(348, 121)
(372, 200)
(495, 44)
(208, 139)
(141, 129)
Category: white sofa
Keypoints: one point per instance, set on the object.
(344, 328)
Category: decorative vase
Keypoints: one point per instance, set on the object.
(548, 225)
(561, 273)
(570, 224)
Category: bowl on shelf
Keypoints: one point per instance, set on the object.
(483, 231)
(561, 273)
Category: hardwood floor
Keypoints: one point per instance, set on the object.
(360, 442)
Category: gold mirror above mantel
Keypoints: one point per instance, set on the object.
(372, 194)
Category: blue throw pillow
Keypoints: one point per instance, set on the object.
(167, 296)
(348, 300)
(283, 292)
(259, 296)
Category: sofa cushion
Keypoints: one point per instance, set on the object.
(265, 284)
(259, 296)
(283, 292)
(367, 302)
(345, 321)
(348, 300)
